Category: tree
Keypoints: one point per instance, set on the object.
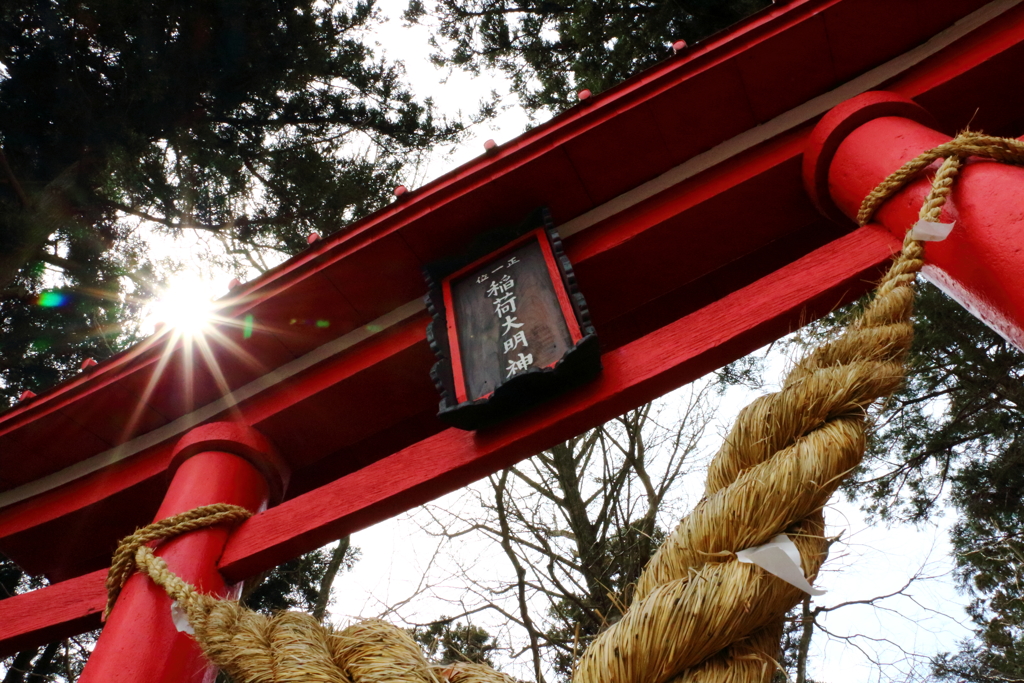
(958, 420)
(807, 620)
(551, 49)
(256, 121)
(302, 584)
(253, 122)
(989, 541)
(446, 641)
(577, 524)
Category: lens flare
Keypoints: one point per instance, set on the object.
(51, 299)
(195, 338)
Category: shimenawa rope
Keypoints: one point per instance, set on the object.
(698, 615)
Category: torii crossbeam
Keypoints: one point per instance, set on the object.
(680, 196)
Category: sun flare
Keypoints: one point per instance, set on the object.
(185, 305)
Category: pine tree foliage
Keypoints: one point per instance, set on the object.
(551, 49)
(958, 427)
(958, 420)
(254, 121)
(448, 641)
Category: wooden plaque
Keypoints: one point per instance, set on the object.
(509, 329)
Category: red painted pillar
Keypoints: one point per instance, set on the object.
(981, 264)
(216, 463)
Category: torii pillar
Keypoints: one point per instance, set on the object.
(219, 462)
(981, 264)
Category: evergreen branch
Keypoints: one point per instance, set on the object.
(545, 9)
(207, 227)
(141, 214)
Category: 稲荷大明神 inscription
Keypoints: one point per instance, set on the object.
(508, 319)
(510, 327)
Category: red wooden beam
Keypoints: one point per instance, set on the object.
(671, 113)
(670, 234)
(439, 218)
(633, 374)
(588, 147)
(637, 372)
(56, 612)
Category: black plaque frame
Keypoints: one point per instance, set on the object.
(581, 363)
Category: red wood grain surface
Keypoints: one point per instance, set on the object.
(53, 613)
(682, 234)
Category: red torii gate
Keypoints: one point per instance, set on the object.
(680, 198)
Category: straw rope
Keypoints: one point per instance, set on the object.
(290, 647)
(123, 563)
(966, 144)
(698, 615)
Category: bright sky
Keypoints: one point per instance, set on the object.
(397, 557)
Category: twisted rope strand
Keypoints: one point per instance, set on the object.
(288, 647)
(785, 456)
(966, 144)
(123, 563)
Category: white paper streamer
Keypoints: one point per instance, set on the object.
(180, 619)
(927, 231)
(780, 557)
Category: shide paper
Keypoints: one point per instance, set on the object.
(780, 557)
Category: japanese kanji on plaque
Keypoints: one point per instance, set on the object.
(509, 328)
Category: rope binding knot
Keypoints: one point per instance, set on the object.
(135, 547)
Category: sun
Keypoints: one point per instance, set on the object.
(184, 305)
